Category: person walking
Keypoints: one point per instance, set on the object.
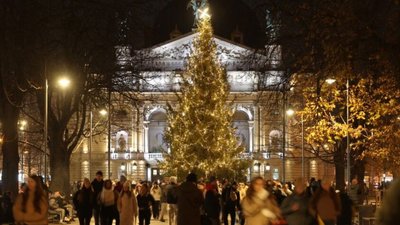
(172, 200)
(97, 185)
(355, 192)
(31, 207)
(325, 203)
(145, 200)
(212, 205)
(156, 193)
(163, 200)
(84, 201)
(295, 207)
(388, 214)
(127, 205)
(231, 203)
(120, 184)
(258, 206)
(190, 199)
(108, 201)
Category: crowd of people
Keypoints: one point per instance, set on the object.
(195, 202)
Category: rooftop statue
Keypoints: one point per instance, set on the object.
(197, 5)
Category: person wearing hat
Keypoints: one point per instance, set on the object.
(127, 205)
(190, 199)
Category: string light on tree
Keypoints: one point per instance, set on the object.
(200, 134)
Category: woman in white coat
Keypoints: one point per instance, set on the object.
(258, 207)
(127, 205)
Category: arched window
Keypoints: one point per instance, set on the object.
(275, 141)
(157, 125)
(241, 123)
(122, 141)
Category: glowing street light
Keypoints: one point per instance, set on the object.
(123, 166)
(103, 112)
(23, 124)
(290, 112)
(64, 82)
(330, 81)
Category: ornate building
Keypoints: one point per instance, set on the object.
(137, 139)
(153, 74)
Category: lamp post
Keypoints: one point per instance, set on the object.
(291, 112)
(302, 146)
(63, 83)
(134, 169)
(256, 167)
(267, 168)
(23, 124)
(102, 112)
(331, 81)
(46, 117)
(109, 134)
(123, 168)
(286, 112)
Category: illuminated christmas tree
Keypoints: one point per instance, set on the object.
(200, 133)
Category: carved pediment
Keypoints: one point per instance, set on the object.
(172, 55)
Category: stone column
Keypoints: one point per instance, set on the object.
(251, 135)
(146, 136)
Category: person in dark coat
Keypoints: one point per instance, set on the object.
(325, 203)
(231, 203)
(347, 209)
(388, 214)
(83, 202)
(212, 205)
(190, 199)
(144, 200)
(295, 207)
(97, 185)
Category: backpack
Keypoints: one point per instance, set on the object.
(172, 196)
(232, 196)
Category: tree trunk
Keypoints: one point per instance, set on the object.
(10, 147)
(59, 168)
(358, 170)
(339, 168)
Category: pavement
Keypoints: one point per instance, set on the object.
(76, 222)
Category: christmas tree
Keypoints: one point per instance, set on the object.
(200, 132)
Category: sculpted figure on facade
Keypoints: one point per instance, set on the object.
(197, 5)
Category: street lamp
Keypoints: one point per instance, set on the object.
(102, 112)
(286, 112)
(331, 81)
(23, 124)
(62, 83)
(267, 168)
(302, 146)
(123, 166)
(256, 167)
(134, 169)
(290, 112)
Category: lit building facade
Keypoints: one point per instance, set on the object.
(137, 142)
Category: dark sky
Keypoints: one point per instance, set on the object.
(226, 16)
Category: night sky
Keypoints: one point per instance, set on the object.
(226, 16)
